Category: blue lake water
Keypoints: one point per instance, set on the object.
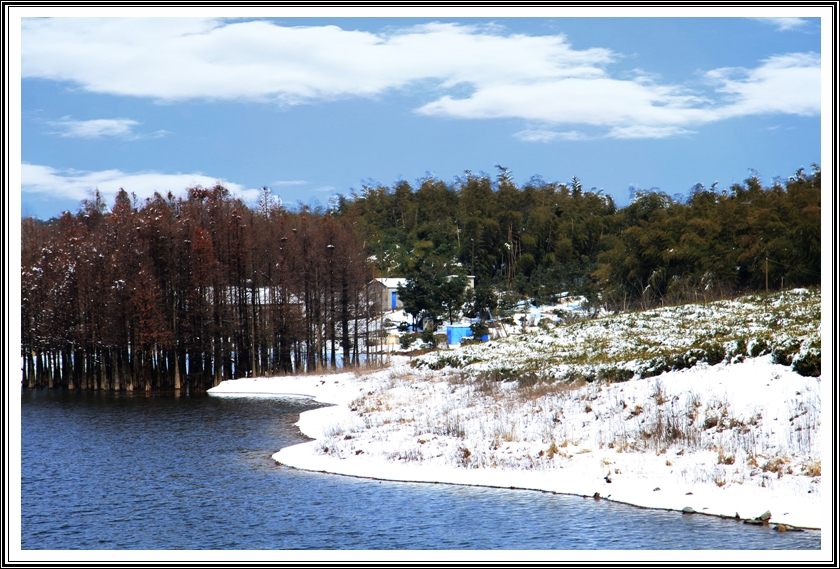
(114, 472)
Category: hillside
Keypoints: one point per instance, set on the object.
(647, 343)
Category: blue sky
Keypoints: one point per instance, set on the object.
(313, 107)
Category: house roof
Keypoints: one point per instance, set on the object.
(391, 282)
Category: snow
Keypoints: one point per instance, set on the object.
(407, 424)
(585, 407)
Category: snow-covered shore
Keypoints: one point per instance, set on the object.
(735, 439)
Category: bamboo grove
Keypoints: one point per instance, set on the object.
(544, 238)
(187, 292)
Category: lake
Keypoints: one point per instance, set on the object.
(117, 471)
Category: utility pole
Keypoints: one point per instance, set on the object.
(766, 285)
(766, 280)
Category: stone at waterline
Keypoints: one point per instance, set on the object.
(688, 510)
(765, 516)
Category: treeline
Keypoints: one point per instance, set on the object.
(191, 290)
(188, 291)
(542, 238)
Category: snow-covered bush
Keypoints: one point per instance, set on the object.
(784, 351)
(808, 363)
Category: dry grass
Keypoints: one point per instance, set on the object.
(776, 465)
(725, 459)
(368, 368)
(545, 389)
(812, 469)
(658, 394)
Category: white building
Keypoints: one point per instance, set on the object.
(385, 291)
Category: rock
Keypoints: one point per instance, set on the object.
(781, 527)
(765, 516)
(597, 495)
(754, 522)
(688, 510)
(737, 516)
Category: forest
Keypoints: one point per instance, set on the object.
(178, 291)
(185, 292)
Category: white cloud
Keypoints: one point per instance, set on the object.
(595, 101)
(96, 128)
(543, 135)
(540, 79)
(99, 128)
(173, 59)
(641, 131)
(787, 84)
(785, 24)
(77, 185)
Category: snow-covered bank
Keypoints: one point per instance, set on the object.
(740, 438)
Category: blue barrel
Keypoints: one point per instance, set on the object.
(455, 333)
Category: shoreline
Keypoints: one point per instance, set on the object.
(335, 472)
(349, 442)
(288, 459)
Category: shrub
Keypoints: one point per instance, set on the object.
(498, 374)
(614, 374)
(656, 366)
(447, 360)
(479, 329)
(715, 353)
(428, 337)
(758, 347)
(406, 340)
(577, 374)
(688, 359)
(783, 353)
(808, 363)
(736, 350)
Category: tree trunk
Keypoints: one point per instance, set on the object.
(177, 378)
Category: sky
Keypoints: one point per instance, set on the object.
(313, 107)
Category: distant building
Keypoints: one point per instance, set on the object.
(385, 293)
